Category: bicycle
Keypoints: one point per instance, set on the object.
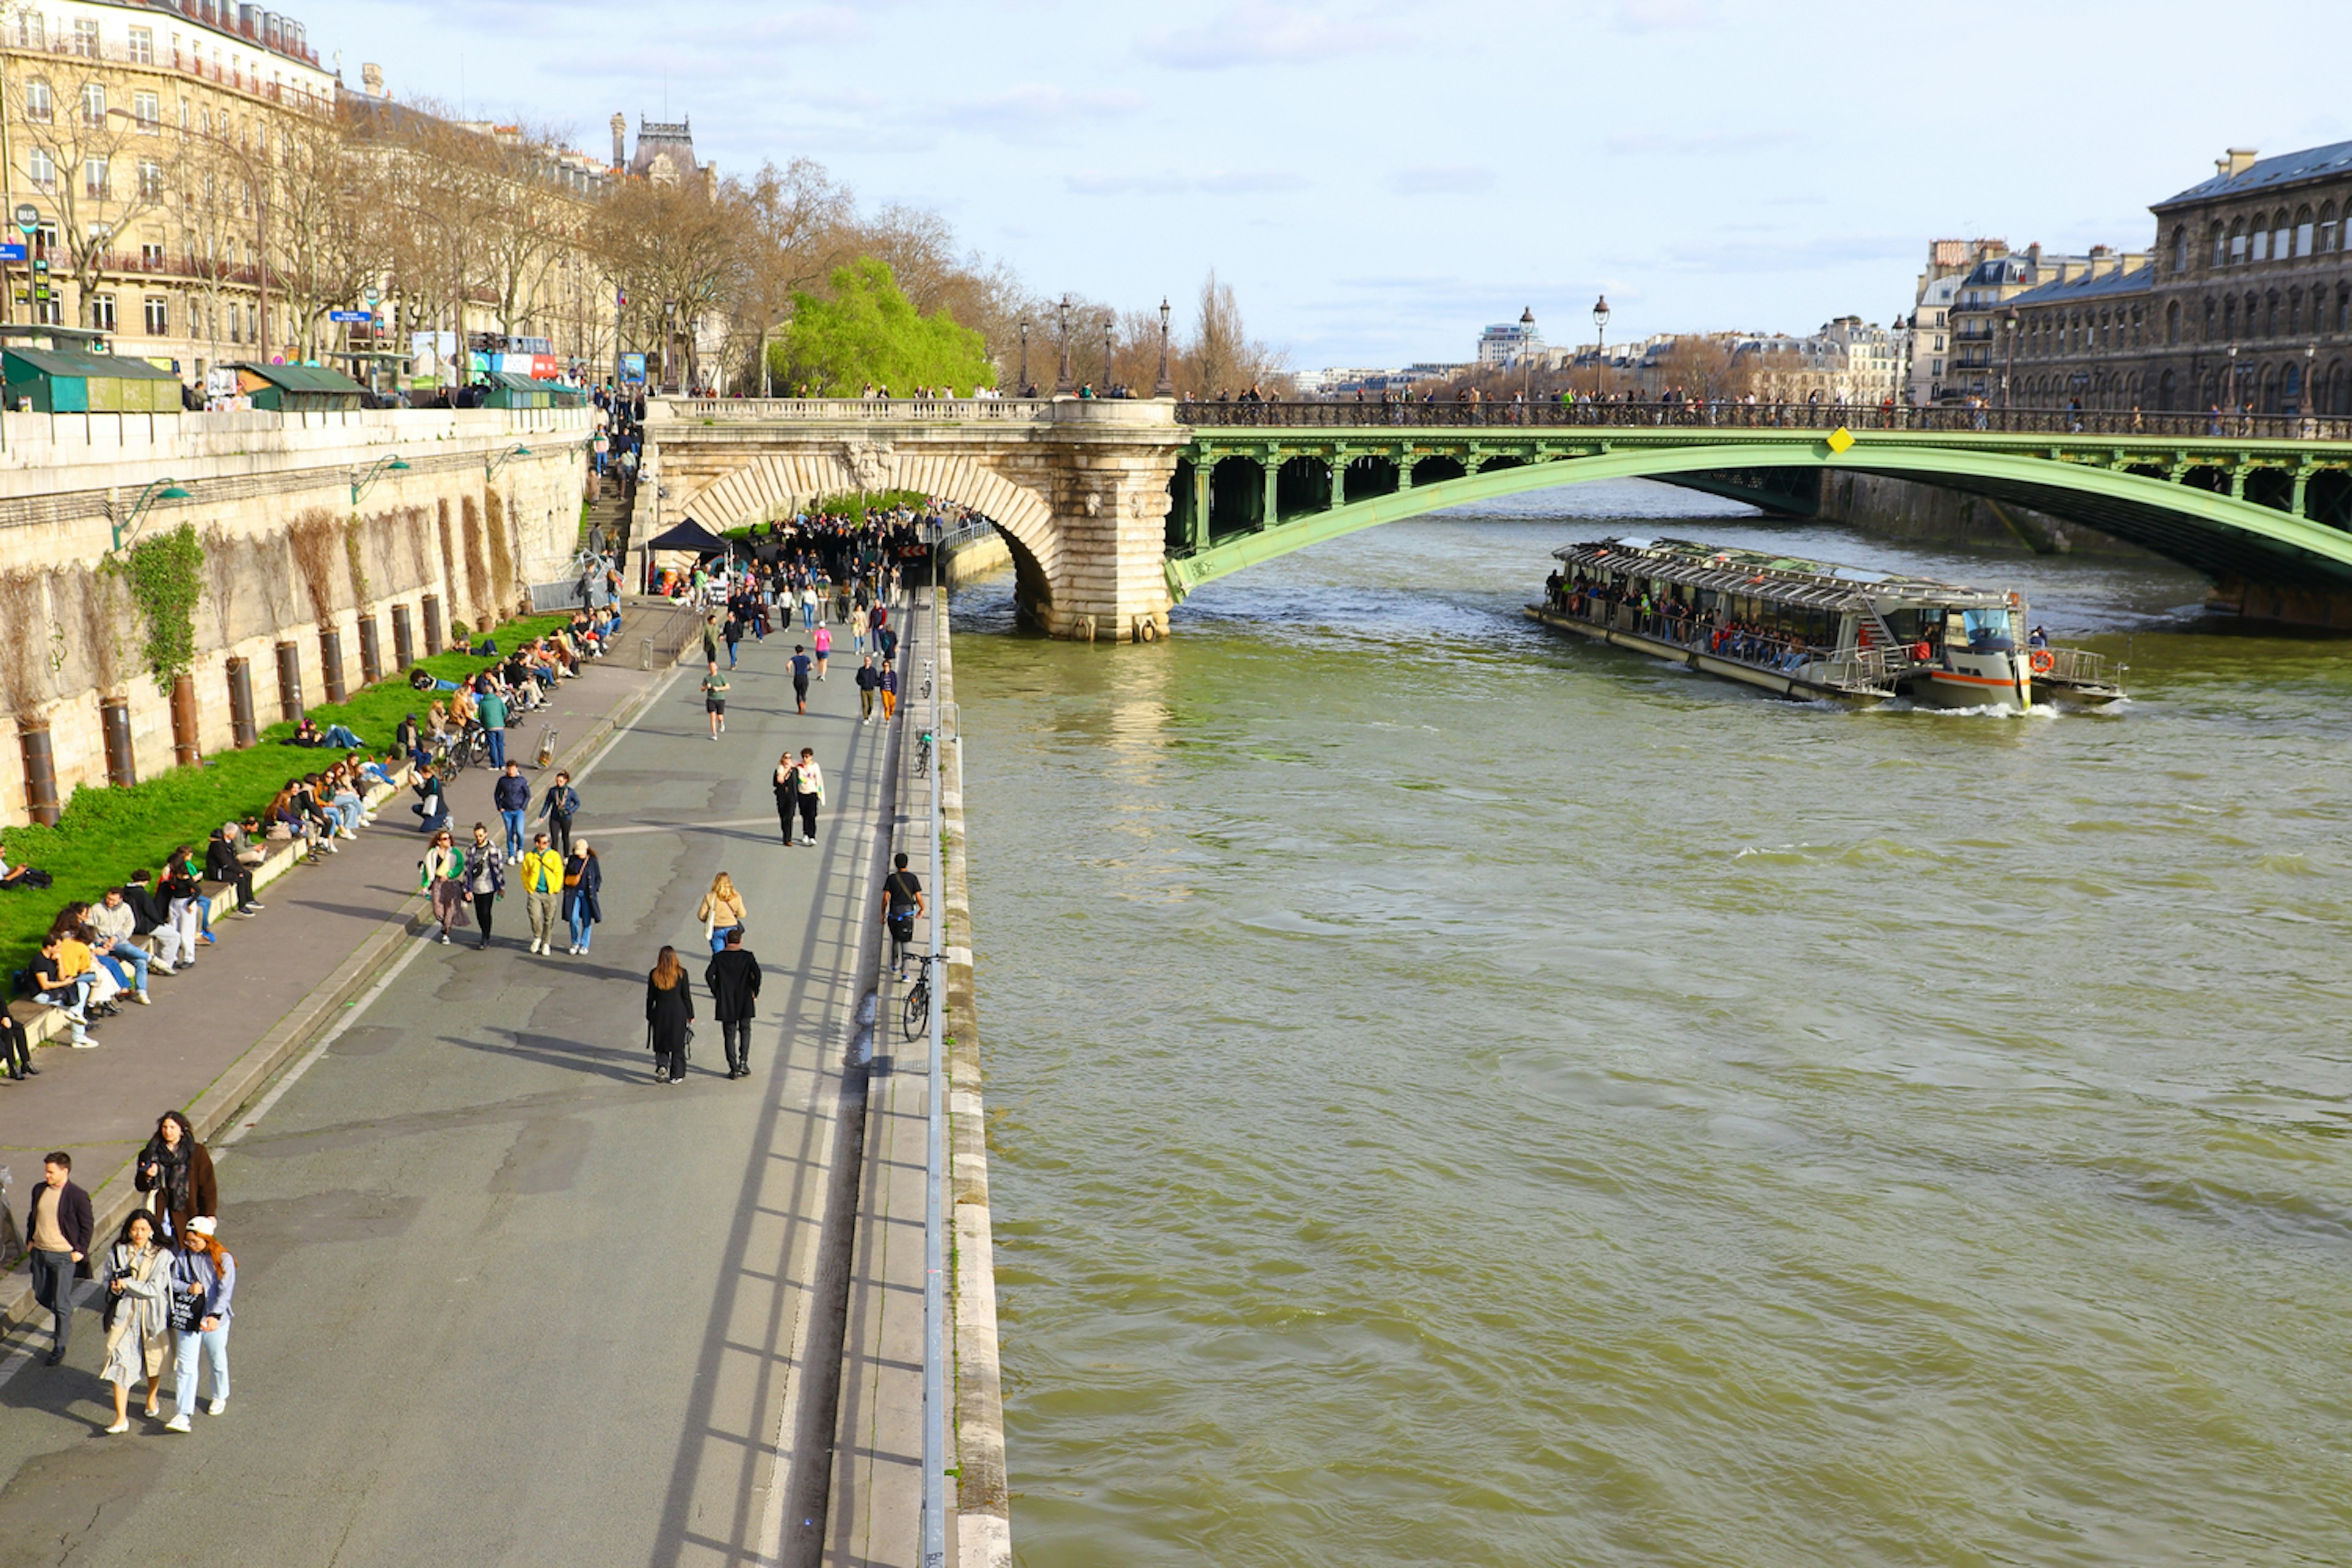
(923, 755)
(915, 1012)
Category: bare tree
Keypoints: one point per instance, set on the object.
(102, 168)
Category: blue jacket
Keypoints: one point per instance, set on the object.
(583, 897)
(511, 793)
(562, 800)
(192, 1267)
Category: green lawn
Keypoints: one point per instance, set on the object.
(105, 834)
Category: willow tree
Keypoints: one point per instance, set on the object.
(866, 332)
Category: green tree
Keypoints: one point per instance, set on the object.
(868, 333)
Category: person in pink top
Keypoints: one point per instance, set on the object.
(821, 639)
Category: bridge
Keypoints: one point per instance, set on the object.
(1116, 509)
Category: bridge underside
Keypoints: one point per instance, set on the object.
(2268, 525)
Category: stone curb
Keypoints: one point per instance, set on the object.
(983, 1496)
(220, 1101)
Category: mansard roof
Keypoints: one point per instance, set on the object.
(2312, 164)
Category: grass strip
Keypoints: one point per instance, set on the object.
(105, 834)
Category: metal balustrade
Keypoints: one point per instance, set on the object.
(1934, 418)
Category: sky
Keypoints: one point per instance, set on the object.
(1379, 180)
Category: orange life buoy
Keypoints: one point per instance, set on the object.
(2041, 661)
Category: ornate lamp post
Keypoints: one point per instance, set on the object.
(1163, 387)
(1527, 355)
(1025, 357)
(1063, 387)
(1600, 340)
(1104, 390)
(2010, 364)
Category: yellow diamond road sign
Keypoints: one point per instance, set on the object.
(1840, 439)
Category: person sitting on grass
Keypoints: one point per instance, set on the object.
(20, 877)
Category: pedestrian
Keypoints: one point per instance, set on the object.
(733, 632)
(800, 675)
(138, 1314)
(16, 1053)
(711, 638)
(490, 708)
(58, 1225)
(788, 787)
(811, 792)
(584, 879)
(888, 684)
(511, 795)
(204, 1281)
(902, 901)
(734, 981)
(868, 680)
(721, 908)
(559, 806)
(669, 1016)
(441, 877)
(886, 643)
(822, 640)
(543, 892)
(432, 807)
(714, 700)
(486, 879)
(176, 1171)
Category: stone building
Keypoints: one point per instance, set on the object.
(1978, 316)
(1927, 346)
(2246, 302)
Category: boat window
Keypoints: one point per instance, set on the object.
(1987, 630)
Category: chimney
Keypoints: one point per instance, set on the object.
(371, 80)
(2239, 160)
(710, 180)
(620, 139)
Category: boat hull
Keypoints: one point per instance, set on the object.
(1779, 683)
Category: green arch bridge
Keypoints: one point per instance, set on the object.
(2261, 505)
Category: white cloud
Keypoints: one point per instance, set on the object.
(1442, 180)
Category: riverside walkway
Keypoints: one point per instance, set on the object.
(500, 1297)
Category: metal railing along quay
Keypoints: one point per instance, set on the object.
(1934, 419)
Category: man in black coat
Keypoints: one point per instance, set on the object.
(734, 978)
(58, 1225)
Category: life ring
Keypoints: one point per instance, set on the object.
(2041, 661)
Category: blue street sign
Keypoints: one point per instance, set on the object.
(11, 253)
(350, 316)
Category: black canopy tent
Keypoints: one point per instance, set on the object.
(689, 535)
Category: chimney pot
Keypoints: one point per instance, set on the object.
(2241, 160)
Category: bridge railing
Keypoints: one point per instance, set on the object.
(1731, 416)
(862, 410)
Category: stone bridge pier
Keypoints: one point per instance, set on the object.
(1080, 487)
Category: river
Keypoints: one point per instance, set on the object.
(1463, 1095)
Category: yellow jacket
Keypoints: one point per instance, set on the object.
(542, 871)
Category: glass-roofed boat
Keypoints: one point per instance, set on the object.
(1808, 630)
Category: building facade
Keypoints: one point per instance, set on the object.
(1509, 343)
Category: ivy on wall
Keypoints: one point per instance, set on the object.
(165, 573)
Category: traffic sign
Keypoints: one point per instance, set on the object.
(350, 316)
(28, 216)
(11, 253)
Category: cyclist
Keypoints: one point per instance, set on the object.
(902, 901)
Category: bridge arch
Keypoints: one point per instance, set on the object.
(779, 485)
(2196, 522)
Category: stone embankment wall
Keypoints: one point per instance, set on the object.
(974, 558)
(1899, 509)
(297, 576)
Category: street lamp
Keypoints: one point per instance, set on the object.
(1025, 356)
(376, 470)
(1063, 387)
(1599, 340)
(1527, 357)
(1105, 390)
(158, 489)
(2011, 365)
(1163, 387)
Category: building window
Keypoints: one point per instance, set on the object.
(2229, 317)
(28, 31)
(2342, 310)
(2220, 247)
(151, 179)
(2281, 239)
(236, 323)
(93, 178)
(147, 110)
(2172, 322)
(2293, 311)
(101, 312)
(51, 312)
(2302, 232)
(2262, 243)
(2328, 226)
(42, 169)
(93, 103)
(142, 46)
(151, 256)
(85, 40)
(2270, 316)
(2238, 243)
(2179, 250)
(36, 101)
(184, 108)
(159, 315)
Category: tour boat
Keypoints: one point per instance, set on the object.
(1805, 629)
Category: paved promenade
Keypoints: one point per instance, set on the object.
(501, 1299)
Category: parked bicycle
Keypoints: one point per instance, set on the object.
(915, 1012)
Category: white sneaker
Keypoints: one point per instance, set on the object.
(444, 939)
(84, 1043)
(177, 1424)
(216, 1406)
(143, 999)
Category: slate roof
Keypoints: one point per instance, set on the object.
(2311, 163)
(2107, 285)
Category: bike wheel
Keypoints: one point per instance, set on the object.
(915, 1012)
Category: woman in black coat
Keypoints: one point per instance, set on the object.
(584, 879)
(670, 1016)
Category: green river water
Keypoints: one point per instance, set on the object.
(1463, 1095)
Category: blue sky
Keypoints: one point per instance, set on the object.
(1378, 180)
